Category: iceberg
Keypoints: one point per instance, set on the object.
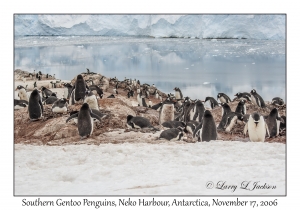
(158, 26)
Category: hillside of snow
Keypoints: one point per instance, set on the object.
(193, 26)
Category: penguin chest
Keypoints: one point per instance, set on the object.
(223, 100)
(92, 102)
(57, 109)
(257, 132)
(177, 95)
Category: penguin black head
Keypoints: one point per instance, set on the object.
(253, 91)
(20, 87)
(79, 76)
(85, 106)
(129, 117)
(242, 102)
(53, 94)
(207, 113)
(256, 118)
(35, 92)
(43, 88)
(88, 93)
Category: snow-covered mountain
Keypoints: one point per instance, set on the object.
(194, 26)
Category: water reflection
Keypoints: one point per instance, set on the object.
(199, 67)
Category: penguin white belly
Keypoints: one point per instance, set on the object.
(92, 126)
(177, 95)
(253, 99)
(139, 99)
(59, 110)
(17, 107)
(230, 126)
(92, 102)
(166, 113)
(23, 95)
(200, 134)
(189, 129)
(245, 109)
(192, 113)
(257, 133)
(156, 95)
(223, 100)
(135, 126)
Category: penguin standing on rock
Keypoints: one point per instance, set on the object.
(85, 122)
(79, 89)
(257, 99)
(91, 99)
(206, 130)
(22, 93)
(213, 102)
(223, 98)
(256, 127)
(178, 93)
(35, 106)
(172, 134)
(273, 122)
(225, 109)
(60, 106)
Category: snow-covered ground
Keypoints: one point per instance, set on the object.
(193, 26)
(161, 168)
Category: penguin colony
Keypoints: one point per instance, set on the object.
(180, 117)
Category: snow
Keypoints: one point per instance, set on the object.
(194, 26)
(161, 168)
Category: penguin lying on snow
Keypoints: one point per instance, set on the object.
(172, 134)
(85, 121)
(20, 104)
(35, 106)
(256, 127)
(223, 98)
(206, 130)
(257, 99)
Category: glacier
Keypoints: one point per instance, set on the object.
(232, 26)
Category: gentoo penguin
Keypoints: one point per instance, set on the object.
(256, 127)
(97, 89)
(225, 109)
(22, 93)
(199, 111)
(50, 100)
(213, 102)
(35, 106)
(277, 101)
(206, 130)
(172, 134)
(20, 104)
(243, 96)
(257, 99)
(85, 122)
(130, 93)
(91, 99)
(241, 108)
(191, 126)
(283, 123)
(60, 106)
(150, 103)
(178, 93)
(273, 122)
(138, 122)
(173, 124)
(79, 89)
(229, 120)
(223, 98)
(45, 92)
(144, 102)
(68, 90)
(139, 99)
(166, 112)
(111, 96)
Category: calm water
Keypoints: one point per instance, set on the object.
(199, 68)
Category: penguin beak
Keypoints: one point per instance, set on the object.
(256, 123)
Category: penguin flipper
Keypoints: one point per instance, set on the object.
(72, 116)
(95, 116)
(267, 129)
(41, 105)
(245, 129)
